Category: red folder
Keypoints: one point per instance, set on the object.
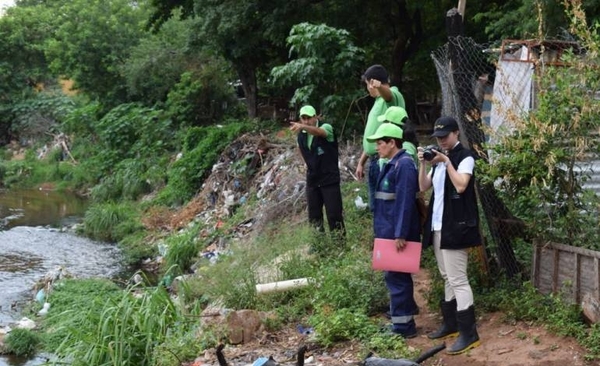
(387, 258)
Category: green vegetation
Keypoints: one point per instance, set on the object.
(96, 323)
(537, 167)
(22, 342)
(150, 113)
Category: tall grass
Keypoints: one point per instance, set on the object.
(182, 251)
(111, 221)
(124, 331)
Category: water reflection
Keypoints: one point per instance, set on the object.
(30, 247)
(34, 207)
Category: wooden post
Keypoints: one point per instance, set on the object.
(462, 4)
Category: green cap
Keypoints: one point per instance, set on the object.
(394, 114)
(308, 110)
(386, 130)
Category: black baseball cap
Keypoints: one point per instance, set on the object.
(443, 126)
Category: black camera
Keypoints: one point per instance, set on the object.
(428, 153)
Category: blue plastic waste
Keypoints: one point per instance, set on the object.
(40, 296)
(260, 362)
(304, 330)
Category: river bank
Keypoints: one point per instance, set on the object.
(36, 238)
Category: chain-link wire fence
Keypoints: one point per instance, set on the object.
(467, 72)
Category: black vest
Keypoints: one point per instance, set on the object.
(460, 219)
(321, 160)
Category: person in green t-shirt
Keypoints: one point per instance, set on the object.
(376, 79)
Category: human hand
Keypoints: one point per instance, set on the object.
(440, 157)
(359, 171)
(420, 154)
(296, 126)
(400, 244)
(374, 83)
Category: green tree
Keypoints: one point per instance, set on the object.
(323, 72)
(93, 41)
(155, 65)
(23, 66)
(520, 19)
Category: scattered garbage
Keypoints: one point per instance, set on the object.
(376, 361)
(25, 323)
(44, 310)
(283, 285)
(40, 296)
(304, 330)
(360, 204)
(263, 361)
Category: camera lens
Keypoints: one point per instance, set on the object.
(428, 153)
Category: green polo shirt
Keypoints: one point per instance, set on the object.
(379, 108)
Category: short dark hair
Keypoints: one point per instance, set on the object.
(377, 72)
(408, 132)
(398, 142)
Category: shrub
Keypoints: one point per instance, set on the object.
(202, 148)
(134, 131)
(22, 342)
(201, 97)
(111, 221)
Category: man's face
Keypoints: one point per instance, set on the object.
(385, 149)
(308, 120)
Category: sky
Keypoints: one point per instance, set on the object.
(5, 3)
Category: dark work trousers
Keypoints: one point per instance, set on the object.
(372, 177)
(329, 196)
(402, 303)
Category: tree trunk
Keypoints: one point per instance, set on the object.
(409, 36)
(247, 74)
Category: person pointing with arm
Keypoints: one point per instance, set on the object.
(318, 145)
(376, 79)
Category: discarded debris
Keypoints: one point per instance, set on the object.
(283, 285)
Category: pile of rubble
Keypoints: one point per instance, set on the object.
(268, 171)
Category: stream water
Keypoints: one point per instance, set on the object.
(32, 244)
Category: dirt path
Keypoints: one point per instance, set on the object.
(502, 344)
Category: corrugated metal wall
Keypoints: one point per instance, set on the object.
(592, 170)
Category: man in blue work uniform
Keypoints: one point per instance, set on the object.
(395, 217)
